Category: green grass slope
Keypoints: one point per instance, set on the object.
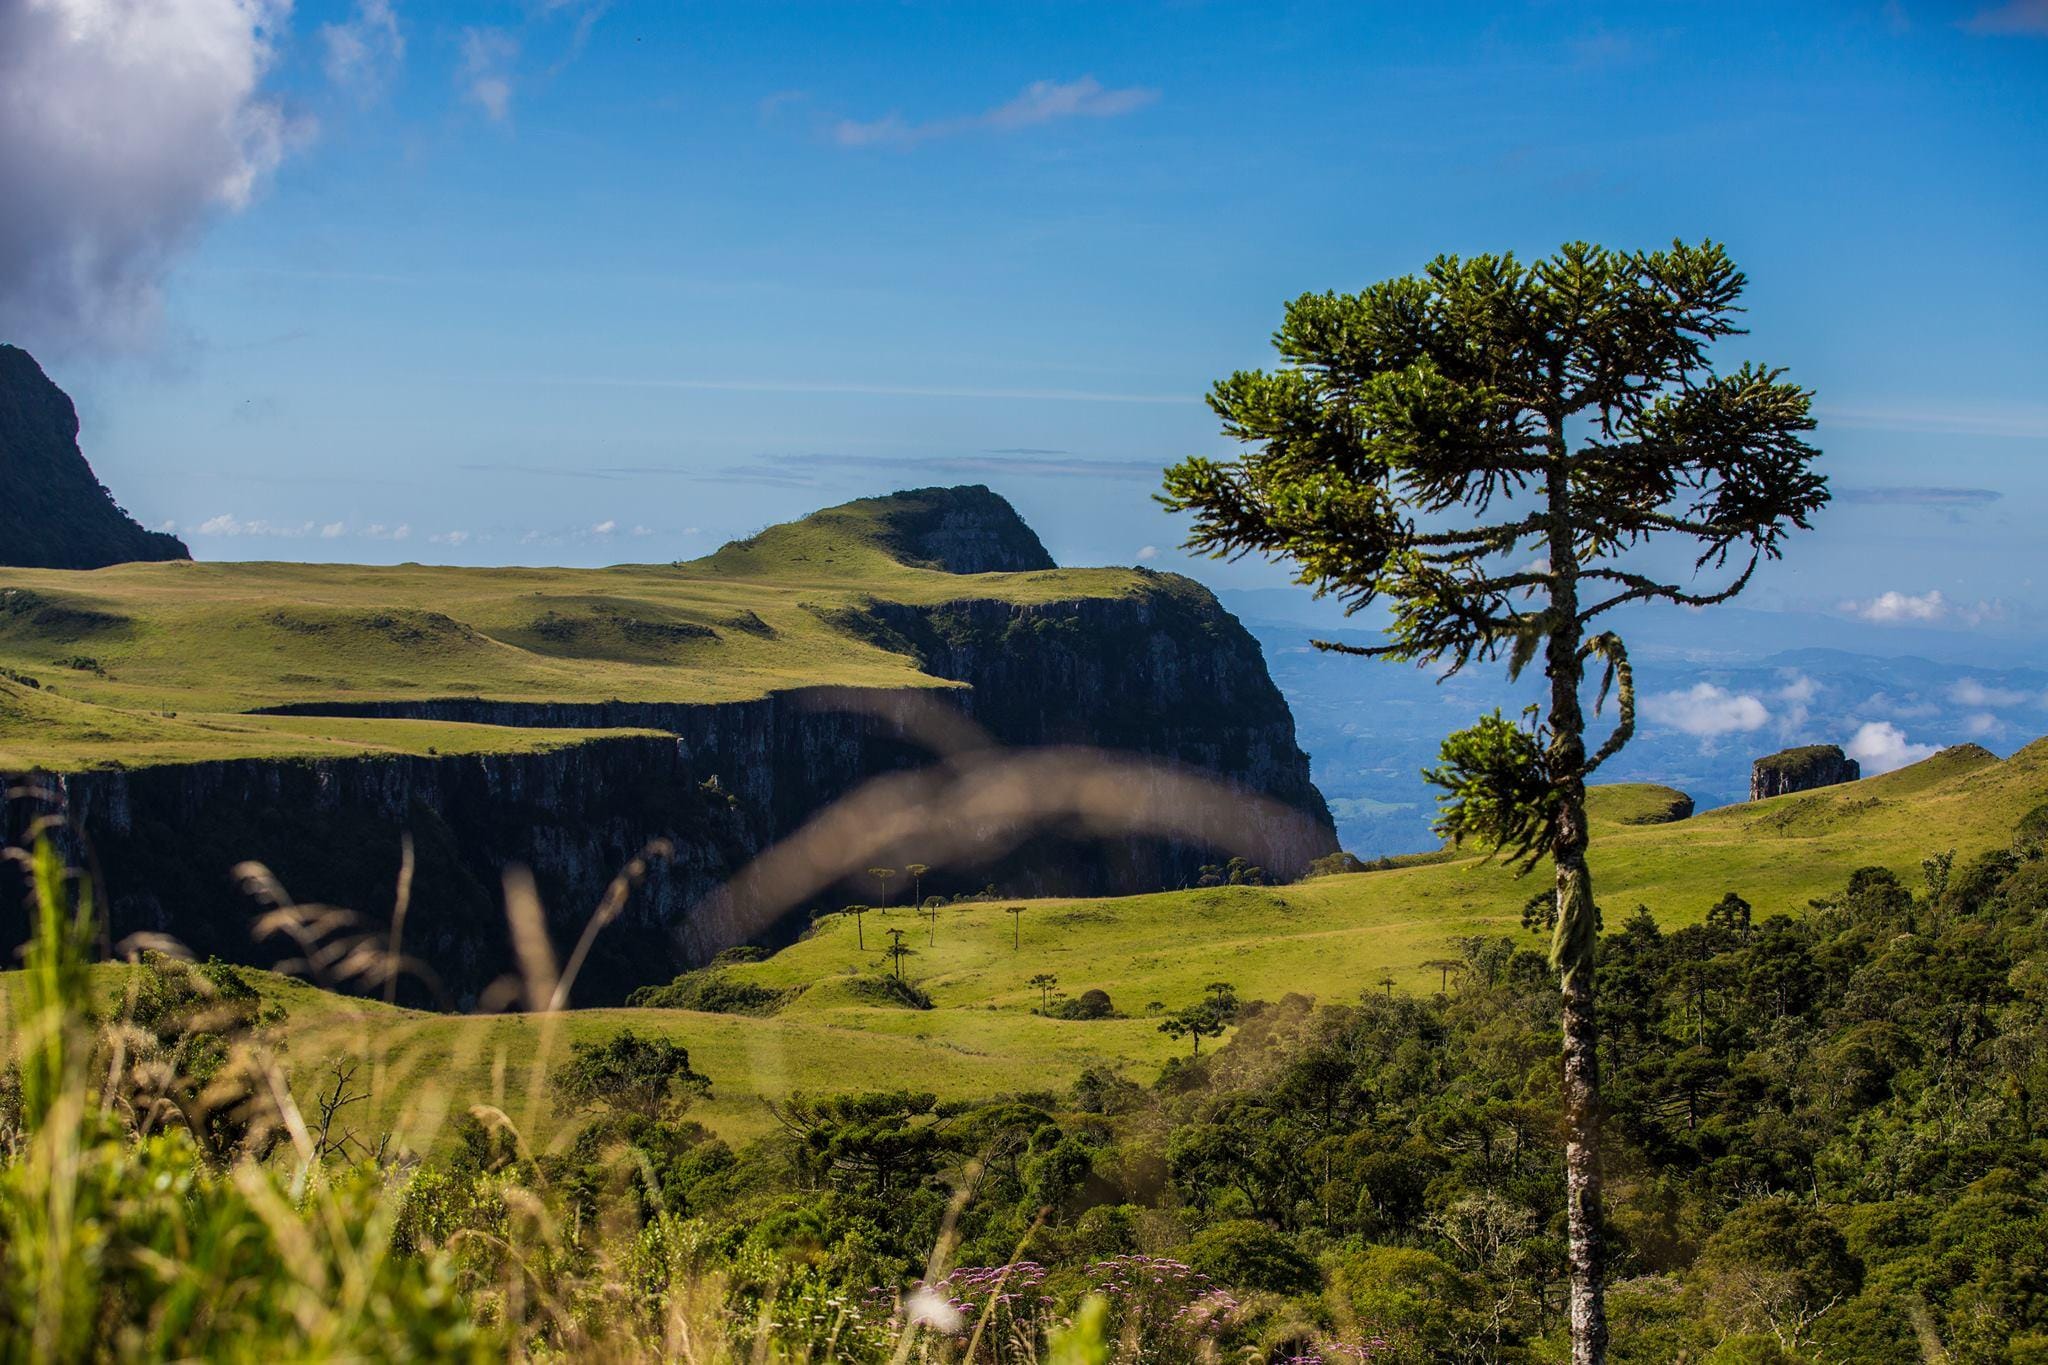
(1331, 937)
(140, 646)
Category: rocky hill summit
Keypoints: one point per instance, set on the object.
(57, 514)
(967, 529)
(1801, 770)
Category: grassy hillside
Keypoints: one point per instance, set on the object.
(1330, 937)
(164, 658)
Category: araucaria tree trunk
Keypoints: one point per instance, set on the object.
(1572, 952)
(1584, 1253)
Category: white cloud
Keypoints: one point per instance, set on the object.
(128, 124)
(362, 53)
(1796, 697)
(1891, 607)
(1706, 711)
(1799, 688)
(604, 528)
(643, 530)
(1982, 724)
(377, 530)
(449, 538)
(1970, 692)
(1881, 746)
(1149, 552)
(486, 69)
(1037, 103)
(1044, 101)
(333, 530)
(228, 525)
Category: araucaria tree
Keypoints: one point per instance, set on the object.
(1499, 451)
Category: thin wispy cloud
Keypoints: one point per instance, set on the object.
(1973, 693)
(485, 72)
(361, 53)
(2026, 17)
(1039, 466)
(1918, 497)
(804, 470)
(2023, 422)
(815, 386)
(1038, 103)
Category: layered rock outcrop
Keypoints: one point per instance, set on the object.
(1801, 769)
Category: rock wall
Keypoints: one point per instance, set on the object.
(1801, 769)
(1167, 675)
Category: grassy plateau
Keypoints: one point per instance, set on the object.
(160, 663)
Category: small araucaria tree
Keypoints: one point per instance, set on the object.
(1497, 450)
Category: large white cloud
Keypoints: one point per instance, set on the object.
(124, 125)
(1706, 711)
(1881, 746)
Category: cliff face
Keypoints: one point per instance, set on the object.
(1165, 674)
(55, 514)
(1800, 770)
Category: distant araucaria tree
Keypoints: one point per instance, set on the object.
(1494, 449)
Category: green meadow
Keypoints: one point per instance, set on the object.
(1331, 938)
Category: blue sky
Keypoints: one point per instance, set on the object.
(582, 283)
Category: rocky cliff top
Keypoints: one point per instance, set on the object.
(968, 529)
(1801, 769)
(56, 514)
(965, 529)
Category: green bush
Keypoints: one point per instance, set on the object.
(1247, 1253)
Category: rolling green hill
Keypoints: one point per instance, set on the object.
(1328, 937)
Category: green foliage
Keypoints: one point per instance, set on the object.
(1498, 789)
(710, 990)
(1776, 1265)
(889, 991)
(1248, 1253)
(629, 1074)
(1825, 1138)
(1335, 865)
(1236, 872)
(1092, 1003)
